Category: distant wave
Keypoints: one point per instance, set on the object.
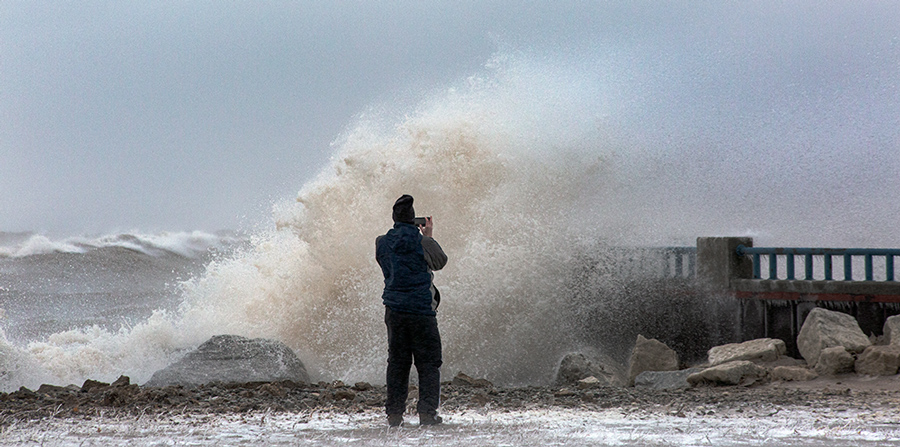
(187, 244)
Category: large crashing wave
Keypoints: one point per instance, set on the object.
(504, 192)
(504, 202)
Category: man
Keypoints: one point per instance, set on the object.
(407, 255)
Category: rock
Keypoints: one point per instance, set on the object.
(120, 395)
(24, 393)
(782, 361)
(464, 380)
(793, 374)
(574, 367)
(834, 360)
(344, 394)
(52, 389)
(565, 392)
(665, 380)
(121, 381)
(231, 358)
(825, 329)
(879, 360)
(481, 399)
(731, 373)
(362, 386)
(290, 384)
(650, 355)
(588, 383)
(273, 389)
(761, 349)
(92, 385)
(892, 330)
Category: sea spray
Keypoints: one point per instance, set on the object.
(503, 215)
(505, 198)
(525, 168)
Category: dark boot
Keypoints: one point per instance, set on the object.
(427, 419)
(394, 420)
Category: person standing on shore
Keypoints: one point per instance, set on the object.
(407, 255)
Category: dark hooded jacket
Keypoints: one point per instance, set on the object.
(407, 259)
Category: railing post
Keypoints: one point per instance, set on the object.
(789, 263)
(889, 267)
(773, 266)
(692, 266)
(666, 270)
(827, 264)
(869, 275)
(808, 260)
(848, 268)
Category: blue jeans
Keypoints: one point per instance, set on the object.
(412, 339)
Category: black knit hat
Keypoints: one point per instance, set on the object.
(403, 209)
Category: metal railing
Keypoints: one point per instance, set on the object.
(644, 262)
(808, 254)
(660, 262)
(683, 262)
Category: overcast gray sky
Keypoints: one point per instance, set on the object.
(174, 115)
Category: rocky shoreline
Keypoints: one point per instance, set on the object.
(843, 371)
(95, 400)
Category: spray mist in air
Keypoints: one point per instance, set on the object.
(525, 168)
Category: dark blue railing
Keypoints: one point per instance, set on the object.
(827, 253)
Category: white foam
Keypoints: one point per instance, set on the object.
(73, 356)
(187, 244)
(39, 244)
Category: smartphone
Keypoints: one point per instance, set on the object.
(419, 221)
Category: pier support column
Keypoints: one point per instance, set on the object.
(753, 319)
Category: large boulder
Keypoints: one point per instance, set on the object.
(825, 329)
(879, 360)
(576, 366)
(650, 355)
(731, 373)
(833, 361)
(892, 330)
(232, 358)
(665, 380)
(759, 350)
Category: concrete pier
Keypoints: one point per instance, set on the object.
(777, 308)
(718, 265)
(695, 298)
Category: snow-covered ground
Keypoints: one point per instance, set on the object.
(799, 427)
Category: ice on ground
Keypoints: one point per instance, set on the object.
(515, 428)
